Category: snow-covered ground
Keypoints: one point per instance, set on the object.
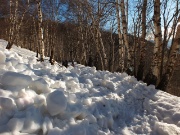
(40, 99)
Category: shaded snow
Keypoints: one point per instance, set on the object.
(37, 98)
(13, 80)
(2, 57)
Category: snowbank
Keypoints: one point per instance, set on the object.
(37, 98)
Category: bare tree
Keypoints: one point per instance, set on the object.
(17, 14)
(167, 19)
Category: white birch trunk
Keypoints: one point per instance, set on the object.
(13, 24)
(121, 47)
(40, 30)
(153, 75)
(125, 34)
(158, 41)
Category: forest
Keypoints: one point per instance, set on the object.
(139, 37)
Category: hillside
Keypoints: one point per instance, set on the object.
(37, 98)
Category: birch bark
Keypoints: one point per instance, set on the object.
(40, 30)
(125, 34)
(120, 40)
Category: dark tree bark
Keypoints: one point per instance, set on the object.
(141, 66)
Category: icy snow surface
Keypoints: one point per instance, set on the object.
(40, 99)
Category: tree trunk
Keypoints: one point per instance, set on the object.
(13, 23)
(111, 60)
(140, 72)
(135, 48)
(125, 34)
(51, 60)
(121, 47)
(154, 74)
(47, 37)
(100, 41)
(103, 50)
(52, 39)
(40, 30)
(171, 60)
(98, 50)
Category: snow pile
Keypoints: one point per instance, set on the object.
(37, 98)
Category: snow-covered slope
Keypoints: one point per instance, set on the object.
(37, 98)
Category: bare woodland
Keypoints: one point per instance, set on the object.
(139, 37)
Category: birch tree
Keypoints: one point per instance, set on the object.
(125, 34)
(13, 23)
(169, 20)
(141, 66)
(174, 51)
(153, 75)
(40, 30)
(98, 12)
(17, 14)
(120, 39)
(136, 37)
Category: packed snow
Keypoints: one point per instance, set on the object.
(37, 98)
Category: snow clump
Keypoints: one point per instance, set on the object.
(56, 102)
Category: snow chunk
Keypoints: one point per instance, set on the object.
(7, 103)
(20, 67)
(39, 100)
(56, 102)
(5, 93)
(55, 131)
(77, 130)
(7, 109)
(15, 80)
(47, 125)
(58, 84)
(2, 57)
(33, 120)
(87, 101)
(40, 86)
(23, 101)
(72, 84)
(166, 129)
(91, 119)
(72, 98)
(13, 61)
(110, 85)
(32, 60)
(15, 124)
